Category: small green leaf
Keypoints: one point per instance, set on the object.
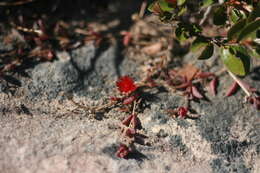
(181, 34)
(207, 3)
(236, 59)
(165, 6)
(182, 11)
(150, 7)
(207, 52)
(220, 16)
(199, 43)
(154, 8)
(181, 2)
(234, 16)
(195, 28)
(235, 29)
(166, 16)
(251, 27)
(237, 15)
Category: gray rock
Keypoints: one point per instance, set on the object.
(51, 78)
(159, 118)
(82, 57)
(99, 68)
(223, 166)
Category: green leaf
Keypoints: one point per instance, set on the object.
(186, 30)
(150, 7)
(236, 59)
(195, 28)
(207, 52)
(220, 16)
(234, 16)
(199, 43)
(181, 34)
(155, 8)
(237, 15)
(181, 2)
(235, 29)
(160, 6)
(207, 3)
(182, 11)
(165, 6)
(247, 30)
(166, 16)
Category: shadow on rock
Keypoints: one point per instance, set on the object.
(255, 74)
(136, 155)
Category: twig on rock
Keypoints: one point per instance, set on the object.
(240, 83)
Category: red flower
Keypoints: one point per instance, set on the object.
(182, 112)
(125, 84)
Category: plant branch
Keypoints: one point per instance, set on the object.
(206, 15)
(133, 112)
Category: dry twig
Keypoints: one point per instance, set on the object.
(142, 10)
(240, 83)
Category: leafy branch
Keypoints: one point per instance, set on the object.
(240, 18)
